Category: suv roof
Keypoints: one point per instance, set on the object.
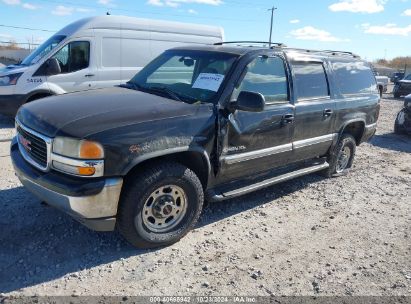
(244, 47)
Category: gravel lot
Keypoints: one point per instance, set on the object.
(311, 236)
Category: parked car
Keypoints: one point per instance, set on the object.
(397, 76)
(201, 122)
(93, 53)
(403, 87)
(403, 121)
(382, 84)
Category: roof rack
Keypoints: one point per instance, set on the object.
(275, 44)
(282, 45)
(328, 52)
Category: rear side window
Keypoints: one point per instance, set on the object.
(354, 77)
(310, 80)
(266, 76)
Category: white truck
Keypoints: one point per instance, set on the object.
(94, 53)
(382, 83)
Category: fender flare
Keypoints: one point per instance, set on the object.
(35, 92)
(168, 152)
(355, 120)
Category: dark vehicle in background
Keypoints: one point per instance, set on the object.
(403, 121)
(403, 87)
(197, 123)
(397, 76)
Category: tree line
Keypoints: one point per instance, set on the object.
(398, 63)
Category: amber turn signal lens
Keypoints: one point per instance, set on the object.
(91, 150)
(86, 171)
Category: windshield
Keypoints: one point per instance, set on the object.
(189, 76)
(43, 50)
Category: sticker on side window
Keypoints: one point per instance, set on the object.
(208, 81)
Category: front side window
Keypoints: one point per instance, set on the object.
(188, 76)
(310, 80)
(43, 50)
(74, 56)
(265, 75)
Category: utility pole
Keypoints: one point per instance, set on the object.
(271, 24)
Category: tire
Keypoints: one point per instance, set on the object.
(338, 164)
(160, 205)
(380, 90)
(399, 125)
(396, 95)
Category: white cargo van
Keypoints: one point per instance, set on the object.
(94, 53)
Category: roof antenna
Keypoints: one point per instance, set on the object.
(108, 14)
(271, 24)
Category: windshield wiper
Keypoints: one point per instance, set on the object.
(131, 85)
(165, 90)
(159, 89)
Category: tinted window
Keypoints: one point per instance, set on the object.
(408, 77)
(310, 80)
(354, 77)
(191, 76)
(266, 76)
(174, 71)
(74, 56)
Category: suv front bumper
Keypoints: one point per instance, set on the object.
(92, 202)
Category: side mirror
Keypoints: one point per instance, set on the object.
(250, 102)
(52, 67)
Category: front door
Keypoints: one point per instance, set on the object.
(77, 72)
(256, 142)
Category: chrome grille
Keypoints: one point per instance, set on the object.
(34, 147)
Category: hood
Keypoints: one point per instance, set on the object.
(405, 81)
(12, 69)
(85, 113)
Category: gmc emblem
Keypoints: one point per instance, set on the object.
(25, 143)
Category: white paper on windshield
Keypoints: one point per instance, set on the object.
(208, 81)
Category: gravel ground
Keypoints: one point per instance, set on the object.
(311, 236)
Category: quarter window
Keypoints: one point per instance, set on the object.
(265, 75)
(74, 56)
(354, 77)
(311, 80)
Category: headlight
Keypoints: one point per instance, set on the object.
(10, 79)
(81, 149)
(78, 157)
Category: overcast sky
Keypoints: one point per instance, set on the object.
(372, 28)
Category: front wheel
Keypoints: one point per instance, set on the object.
(160, 205)
(342, 157)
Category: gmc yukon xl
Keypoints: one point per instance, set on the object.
(197, 123)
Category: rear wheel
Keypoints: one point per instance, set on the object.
(160, 206)
(380, 89)
(342, 157)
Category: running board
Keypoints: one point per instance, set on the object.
(269, 182)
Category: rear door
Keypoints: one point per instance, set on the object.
(314, 108)
(257, 142)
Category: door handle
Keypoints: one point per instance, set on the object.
(288, 118)
(327, 112)
(89, 75)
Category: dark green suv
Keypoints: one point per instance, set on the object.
(202, 122)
